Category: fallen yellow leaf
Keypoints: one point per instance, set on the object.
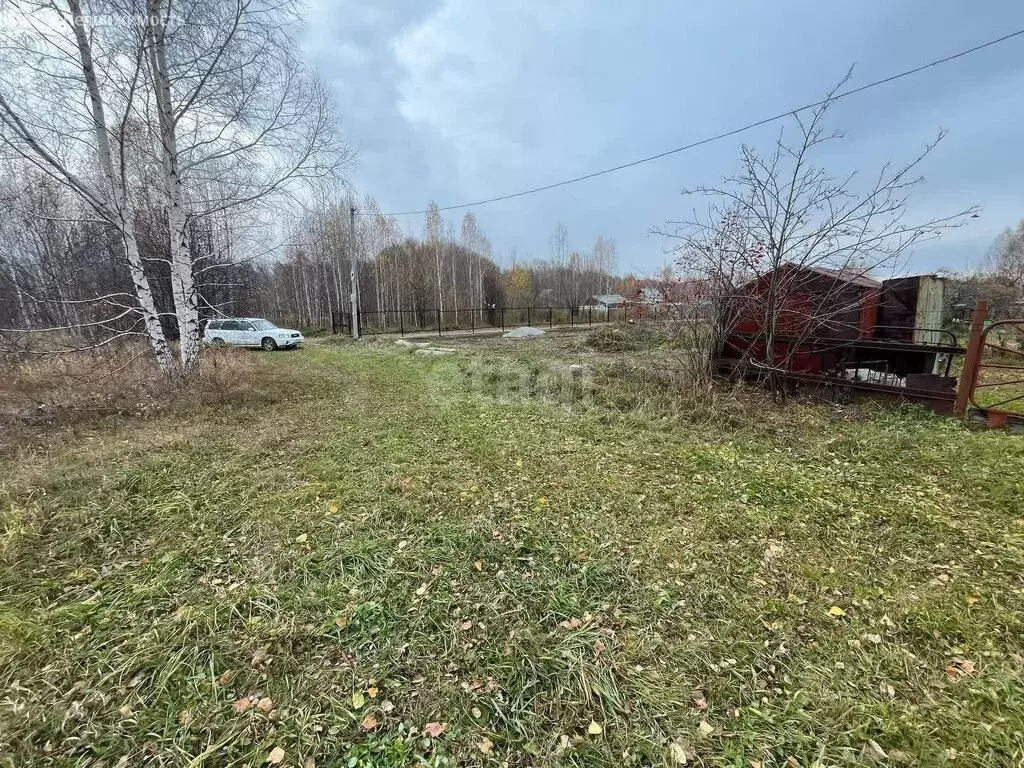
(485, 745)
(594, 729)
(835, 610)
(276, 756)
(478, 565)
(678, 754)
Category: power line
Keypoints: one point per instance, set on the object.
(726, 134)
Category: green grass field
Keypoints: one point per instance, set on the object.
(389, 564)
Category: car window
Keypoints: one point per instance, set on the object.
(214, 325)
(244, 326)
(264, 325)
(230, 325)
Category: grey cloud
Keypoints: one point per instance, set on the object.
(456, 100)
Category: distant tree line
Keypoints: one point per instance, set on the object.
(61, 269)
(999, 279)
(446, 268)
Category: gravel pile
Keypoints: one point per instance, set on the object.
(524, 333)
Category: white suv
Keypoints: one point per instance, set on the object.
(250, 332)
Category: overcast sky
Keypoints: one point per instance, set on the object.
(457, 100)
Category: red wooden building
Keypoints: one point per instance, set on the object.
(844, 326)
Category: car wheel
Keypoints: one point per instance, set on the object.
(218, 342)
(269, 344)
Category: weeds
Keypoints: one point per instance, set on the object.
(630, 338)
(43, 394)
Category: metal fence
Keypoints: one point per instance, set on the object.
(441, 321)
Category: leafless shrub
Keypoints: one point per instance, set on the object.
(781, 218)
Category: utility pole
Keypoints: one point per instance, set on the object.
(354, 273)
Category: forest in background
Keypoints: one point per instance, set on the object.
(58, 259)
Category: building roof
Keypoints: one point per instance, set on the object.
(847, 275)
(609, 298)
(851, 276)
(651, 295)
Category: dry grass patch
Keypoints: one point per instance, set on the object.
(43, 394)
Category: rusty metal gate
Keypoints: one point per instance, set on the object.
(994, 385)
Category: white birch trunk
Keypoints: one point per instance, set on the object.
(437, 260)
(120, 217)
(151, 319)
(186, 302)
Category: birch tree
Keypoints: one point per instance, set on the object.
(433, 234)
(67, 108)
(1008, 258)
(476, 244)
(207, 102)
(605, 260)
(241, 122)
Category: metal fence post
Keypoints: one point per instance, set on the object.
(438, 321)
(529, 320)
(502, 319)
(971, 359)
(401, 323)
(590, 315)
